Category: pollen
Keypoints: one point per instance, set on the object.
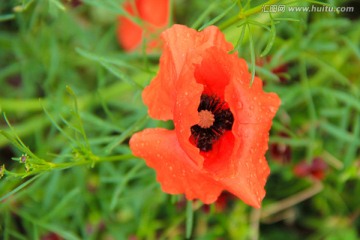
(206, 119)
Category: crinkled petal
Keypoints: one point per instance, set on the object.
(251, 169)
(253, 110)
(248, 185)
(249, 101)
(182, 46)
(175, 171)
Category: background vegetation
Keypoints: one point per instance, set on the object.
(70, 100)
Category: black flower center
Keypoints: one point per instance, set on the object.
(215, 119)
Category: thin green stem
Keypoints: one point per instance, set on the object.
(244, 14)
(92, 160)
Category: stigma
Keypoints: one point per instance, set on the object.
(214, 120)
(207, 119)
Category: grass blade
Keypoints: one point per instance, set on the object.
(189, 219)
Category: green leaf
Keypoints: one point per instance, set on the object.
(270, 41)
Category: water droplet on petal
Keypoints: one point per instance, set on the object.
(272, 109)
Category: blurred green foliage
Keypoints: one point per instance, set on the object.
(72, 99)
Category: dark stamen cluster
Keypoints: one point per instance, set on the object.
(205, 137)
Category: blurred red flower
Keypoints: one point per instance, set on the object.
(221, 122)
(51, 236)
(154, 15)
(316, 169)
(281, 152)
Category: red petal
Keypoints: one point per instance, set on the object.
(219, 160)
(185, 112)
(214, 71)
(174, 169)
(183, 46)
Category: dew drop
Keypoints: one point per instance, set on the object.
(272, 109)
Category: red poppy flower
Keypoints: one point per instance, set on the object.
(316, 169)
(155, 17)
(221, 122)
